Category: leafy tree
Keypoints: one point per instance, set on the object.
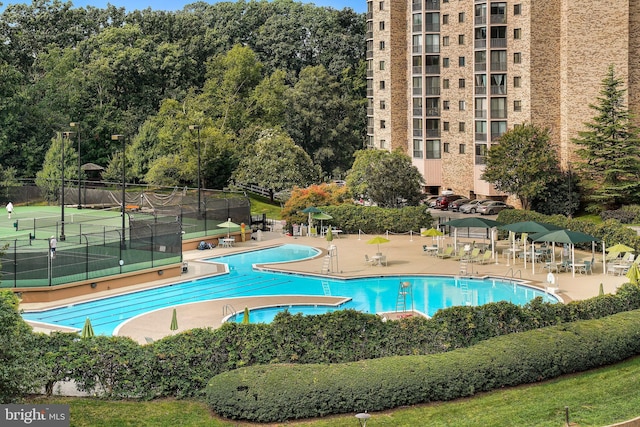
(313, 195)
(560, 197)
(276, 163)
(523, 163)
(49, 178)
(610, 150)
(20, 370)
(387, 178)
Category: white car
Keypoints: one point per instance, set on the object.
(492, 207)
(472, 206)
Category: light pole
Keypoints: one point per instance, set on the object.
(65, 135)
(77, 124)
(124, 176)
(197, 128)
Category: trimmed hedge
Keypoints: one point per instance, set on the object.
(373, 219)
(276, 393)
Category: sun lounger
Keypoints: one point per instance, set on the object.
(446, 253)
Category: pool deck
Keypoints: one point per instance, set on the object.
(404, 257)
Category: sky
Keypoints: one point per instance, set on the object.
(131, 5)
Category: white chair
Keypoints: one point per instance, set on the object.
(368, 261)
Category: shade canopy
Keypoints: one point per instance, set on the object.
(321, 216)
(530, 227)
(477, 222)
(619, 248)
(311, 209)
(87, 329)
(432, 232)
(563, 236)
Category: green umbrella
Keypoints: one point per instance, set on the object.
(310, 210)
(174, 321)
(321, 216)
(634, 274)
(87, 329)
(529, 227)
(475, 222)
(245, 317)
(377, 241)
(619, 248)
(432, 232)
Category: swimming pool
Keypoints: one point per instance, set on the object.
(371, 295)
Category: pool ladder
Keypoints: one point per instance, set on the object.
(228, 310)
(513, 275)
(326, 288)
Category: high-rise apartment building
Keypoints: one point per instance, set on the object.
(446, 78)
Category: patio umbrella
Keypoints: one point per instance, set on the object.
(566, 236)
(174, 321)
(633, 274)
(432, 232)
(321, 216)
(378, 240)
(310, 210)
(245, 316)
(619, 248)
(87, 329)
(528, 227)
(228, 224)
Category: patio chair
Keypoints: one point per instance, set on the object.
(588, 267)
(367, 260)
(484, 258)
(475, 255)
(446, 253)
(612, 256)
(461, 254)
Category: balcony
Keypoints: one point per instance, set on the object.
(481, 114)
(416, 6)
(481, 66)
(369, 54)
(432, 69)
(433, 112)
(417, 132)
(498, 114)
(499, 66)
(369, 73)
(498, 89)
(481, 137)
(481, 160)
(417, 91)
(370, 130)
(480, 20)
(433, 133)
(433, 48)
(369, 35)
(433, 90)
(369, 16)
(417, 48)
(432, 4)
(416, 69)
(495, 136)
(480, 43)
(369, 92)
(417, 28)
(417, 112)
(370, 112)
(432, 27)
(499, 19)
(481, 90)
(499, 42)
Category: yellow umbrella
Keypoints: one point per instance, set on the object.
(378, 240)
(432, 232)
(633, 274)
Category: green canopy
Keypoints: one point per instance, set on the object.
(321, 216)
(473, 222)
(530, 227)
(563, 236)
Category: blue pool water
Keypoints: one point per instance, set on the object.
(371, 295)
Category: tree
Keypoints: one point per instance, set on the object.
(314, 195)
(49, 178)
(276, 163)
(388, 179)
(522, 163)
(610, 150)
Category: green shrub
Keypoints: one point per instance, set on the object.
(373, 219)
(276, 393)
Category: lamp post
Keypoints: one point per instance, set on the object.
(77, 124)
(122, 138)
(197, 128)
(65, 135)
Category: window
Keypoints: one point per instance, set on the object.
(445, 62)
(498, 108)
(462, 105)
(517, 9)
(517, 57)
(445, 126)
(460, 38)
(517, 105)
(461, 17)
(517, 33)
(382, 84)
(383, 124)
(445, 19)
(445, 40)
(461, 127)
(516, 81)
(382, 64)
(445, 83)
(445, 105)
(497, 129)
(461, 61)
(383, 105)
(433, 149)
(461, 149)
(381, 25)
(382, 45)
(461, 83)
(381, 5)
(432, 42)
(445, 147)
(383, 143)
(417, 148)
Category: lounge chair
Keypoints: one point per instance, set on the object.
(446, 253)
(484, 258)
(461, 254)
(612, 256)
(474, 255)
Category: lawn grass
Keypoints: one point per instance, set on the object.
(260, 205)
(594, 398)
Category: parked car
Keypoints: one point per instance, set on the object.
(429, 201)
(493, 207)
(472, 206)
(442, 202)
(455, 205)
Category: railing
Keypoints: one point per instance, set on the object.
(481, 160)
(433, 133)
(498, 89)
(499, 66)
(417, 91)
(481, 136)
(498, 19)
(417, 132)
(433, 112)
(481, 90)
(433, 90)
(432, 69)
(416, 70)
(480, 43)
(432, 27)
(481, 114)
(417, 49)
(499, 42)
(481, 66)
(417, 111)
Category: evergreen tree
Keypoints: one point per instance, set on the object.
(610, 150)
